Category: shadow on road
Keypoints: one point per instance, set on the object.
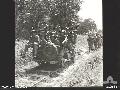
(44, 69)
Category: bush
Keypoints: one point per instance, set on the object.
(19, 48)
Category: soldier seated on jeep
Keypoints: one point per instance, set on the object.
(33, 43)
(34, 40)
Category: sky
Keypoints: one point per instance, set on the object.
(92, 9)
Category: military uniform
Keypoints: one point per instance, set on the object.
(96, 39)
(100, 41)
(90, 42)
(34, 42)
(68, 46)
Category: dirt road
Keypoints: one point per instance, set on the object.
(86, 71)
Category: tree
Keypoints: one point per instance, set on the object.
(64, 13)
(86, 26)
(28, 14)
(48, 15)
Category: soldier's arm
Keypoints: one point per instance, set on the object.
(38, 38)
(66, 39)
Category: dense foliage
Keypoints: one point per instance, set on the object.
(45, 15)
(86, 26)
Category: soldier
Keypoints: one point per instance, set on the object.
(71, 41)
(100, 41)
(68, 46)
(96, 39)
(33, 42)
(90, 42)
(62, 37)
(42, 44)
(43, 37)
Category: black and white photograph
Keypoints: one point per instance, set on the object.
(58, 43)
